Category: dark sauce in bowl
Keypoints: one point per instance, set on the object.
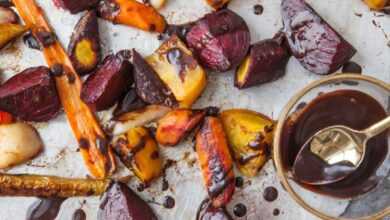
(351, 108)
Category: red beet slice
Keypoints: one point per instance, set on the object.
(108, 83)
(75, 6)
(220, 40)
(31, 95)
(318, 47)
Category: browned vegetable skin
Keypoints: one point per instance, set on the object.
(132, 13)
(139, 152)
(215, 161)
(217, 4)
(7, 15)
(75, 6)
(177, 124)
(9, 32)
(84, 47)
(150, 88)
(99, 159)
(49, 186)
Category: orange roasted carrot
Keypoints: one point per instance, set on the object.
(6, 118)
(97, 156)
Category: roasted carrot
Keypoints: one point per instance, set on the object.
(97, 156)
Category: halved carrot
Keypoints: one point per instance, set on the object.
(97, 156)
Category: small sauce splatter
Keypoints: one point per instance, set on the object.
(270, 194)
(169, 202)
(352, 67)
(276, 212)
(239, 182)
(258, 9)
(239, 210)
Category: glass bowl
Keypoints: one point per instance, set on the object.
(374, 204)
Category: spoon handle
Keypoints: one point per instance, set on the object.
(378, 127)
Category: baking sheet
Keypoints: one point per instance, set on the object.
(61, 158)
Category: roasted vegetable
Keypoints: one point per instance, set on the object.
(120, 202)
(207, 212)
(31, 95)
(177, 124)
(75, 6)
(110, 82)
(266, 62)
(157, 4)
(139, 117)
(6, 3)
(7, 15)
(49, 186)
(377, 4)
(9, 32)
(132, 13)
(131, 102)
(217, 4)
(139, 152)
(84, 47)
(179, 70)
(150, 88)
(99, 159)
(250, 137)
(6, 118)
(317, 46)
(215, 161)
(220, 39)
(19, 142)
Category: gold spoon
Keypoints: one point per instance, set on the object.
(333, 153)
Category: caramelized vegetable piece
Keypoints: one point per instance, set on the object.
(84, 46)
(19, 143)
(8, 15)
(377, 4)
(179, 70)
(31, 95)
(217, 4)
(318, 47)
(132, 13)
(139, 152)
(9, 32)
(250, 137)
(129, 103)
(220, 40)
(120, 202)
(157, 4)
(177, 124)
(139, 117)
(207, 212)
(49, 186)
(150, 88)
(215, 161)
(99, 159)
(110, 82)
(75, 6)
(6, 118)
(266, 62)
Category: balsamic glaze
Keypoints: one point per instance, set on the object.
(79, 214)
(239, 210)
(44, 209)
(258, 9)
(239, 182)
(276, 212)
(270, 194)
(352, 67)
(169, 202)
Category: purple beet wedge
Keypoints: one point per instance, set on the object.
(318, 47)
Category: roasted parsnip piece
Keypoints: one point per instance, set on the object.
(215, 161)
(179, 70)
(84, 47)
(217, 4)
(132, 13)
(139, 152)
(377, 4)
(49, 186)
(177, 124)
(9, 32)
(99, 159)
(250, 137)
(157, 4)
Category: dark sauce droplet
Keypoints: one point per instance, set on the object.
(258, 9)
(276, 212)
(165, 184)
(239, 182)
(239, 210)
(270, 194)
(44, 209)
(30, 41)
(79, 214)
(169, 202)
(352, 67)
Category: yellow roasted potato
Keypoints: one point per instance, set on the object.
(377, 4)
(250, 137)
(9, 32)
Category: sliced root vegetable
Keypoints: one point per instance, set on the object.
(266, 62)
(132, 13)
(49, 186)
(9, 32)
(149, 86)
(377, 4)
(177, 124)
(31, 95)
(7, 15)
(215, 161)
(217, 4)
(19, 143)
(179, 70)
(108, 83)
(139, 117)
(139, 152)
(99, 159)
(131, 102)
(206, 211)
(250, 137)
(75, 6)
(84, 47)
